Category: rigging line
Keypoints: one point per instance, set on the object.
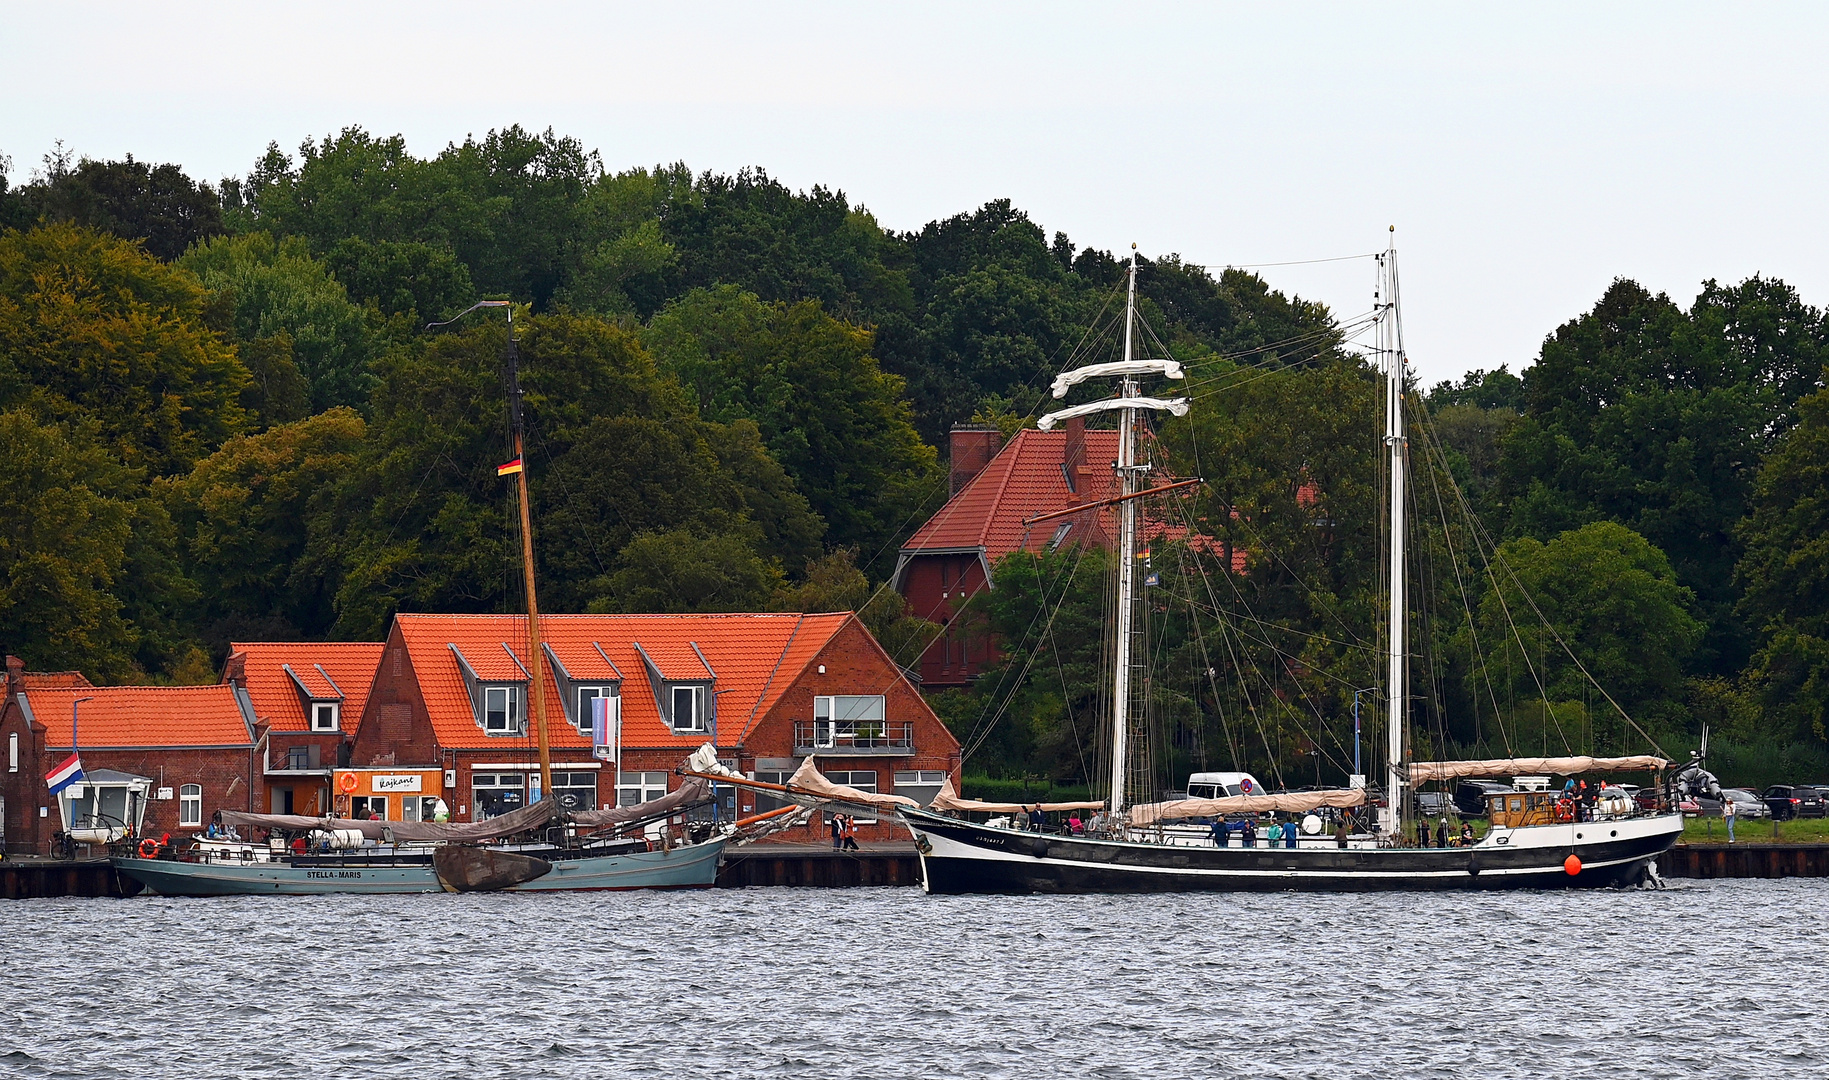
(1263, 545)
(1281, 653)
(1290, 262)
(1272, 364)
(1073, 725)
(1432, 444)
(1333, 337)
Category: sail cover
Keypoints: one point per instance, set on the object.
(1424, 771)
(691, 792)
(808, 780)
(948, 799)
(1293, 802)
(496, 828)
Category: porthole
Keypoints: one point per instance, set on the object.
(1615, 832)
(1577, 836)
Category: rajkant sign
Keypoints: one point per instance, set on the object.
(380, 784)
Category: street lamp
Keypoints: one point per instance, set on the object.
(1357, 771)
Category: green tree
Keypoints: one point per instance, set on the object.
(91, 326)
(276, 288)
(833, 419)
(421, 283)
(686, 571)
(156, 205)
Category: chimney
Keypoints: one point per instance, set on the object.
(15, 673)
(971, 447)
(1073, 457)
(235, 670)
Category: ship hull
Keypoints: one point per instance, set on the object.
(693, 866)
(963, 857)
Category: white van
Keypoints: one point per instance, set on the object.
(1218, 785)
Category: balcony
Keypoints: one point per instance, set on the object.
(862, 738)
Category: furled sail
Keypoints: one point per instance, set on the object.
(512, 823)
(948, 799)
(1293, 802)
(1423, 771)
(810, 781)
(693, 791)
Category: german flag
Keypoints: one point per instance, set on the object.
(509, 469)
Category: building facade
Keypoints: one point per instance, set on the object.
(307, 698)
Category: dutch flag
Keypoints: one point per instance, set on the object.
(64, 775)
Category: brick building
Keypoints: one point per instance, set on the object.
(767, 689)
(193, 744)
(307, 697)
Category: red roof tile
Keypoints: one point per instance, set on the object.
(142, 716)
(1024, 479)
(45, 680)
(346, 666)
(755, 656)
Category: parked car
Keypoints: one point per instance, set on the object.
(1470, 796)
(1433, 804)
(1787, 801)
(1747, 804)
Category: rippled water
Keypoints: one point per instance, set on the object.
(1716, 979)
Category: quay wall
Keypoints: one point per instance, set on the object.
(1752, 860)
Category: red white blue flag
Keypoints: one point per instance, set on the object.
(64, 775)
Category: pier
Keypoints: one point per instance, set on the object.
(818, 866)
(1747, 860)
(25, 876)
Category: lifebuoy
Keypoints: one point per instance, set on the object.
(347, 782)
(1565, 810)
(149, 848)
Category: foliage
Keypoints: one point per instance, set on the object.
(92, 327)
(684, 571)
(156, 205)
(280, 294)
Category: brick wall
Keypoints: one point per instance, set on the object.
(394, 721)
(23, 787)
(224, 774)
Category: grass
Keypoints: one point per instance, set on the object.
(1698, 830)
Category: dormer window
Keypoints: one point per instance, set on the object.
(587, 698)
(324, 715)
(502, 710)
(688, 708)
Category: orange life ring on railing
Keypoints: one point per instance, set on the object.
(149, 848)
(347, 782)
(1565, 810)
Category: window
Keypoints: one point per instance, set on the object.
(496, 794)
(375, 805)
(324, 715)
(12, 752)
(502, 710)
(862, 780)
(298, 758)
(689, 708)
(419, 808)
(575, 790)
(1060, 534)
(586, 696)
(635, 788)
(190, 805)
(844, 719)
(765, 800)
(920, 786)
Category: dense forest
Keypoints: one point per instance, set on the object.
(226, 419)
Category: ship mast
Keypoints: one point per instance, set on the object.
(1130, 404)
(1390, 344)
(536, 677)
(1127, 557)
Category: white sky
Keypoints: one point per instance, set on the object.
(1527, 154)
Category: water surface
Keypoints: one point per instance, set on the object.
(1716, 979)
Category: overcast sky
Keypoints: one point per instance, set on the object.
(1527, 154)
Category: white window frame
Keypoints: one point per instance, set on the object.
(12, 753)
(644, 786)
(190, 806)
(698, 708)
(588, 694)
(915, 783)
(318, 709)
(843, 776)
(511, 709)
(836, 717)
(768, 800)
(369, 803)
(568, 782)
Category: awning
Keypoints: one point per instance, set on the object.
(1424, 771)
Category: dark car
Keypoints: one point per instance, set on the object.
(1433, 804)
(1787, 801)
(1470, 796)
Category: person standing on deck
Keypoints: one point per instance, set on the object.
(1441, 834)
(1291, 830)
(1222, 832)
(1727, 816)
(1249, 837)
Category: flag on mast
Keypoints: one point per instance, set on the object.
(64, 775)
(508, 469)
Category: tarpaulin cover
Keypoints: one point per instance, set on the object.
(1423, 771)
(512, 823)
(948, 799)
(1294, 802)
(693, 791)
(810, 781)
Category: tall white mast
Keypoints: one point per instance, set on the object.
(1127, 557)
(1397, 696)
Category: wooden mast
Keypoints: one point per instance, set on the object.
(536, 692)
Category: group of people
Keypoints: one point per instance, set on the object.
(844, 832)
(1280, 832)
(1444, 837)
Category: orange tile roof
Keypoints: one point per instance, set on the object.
(349, 665)
(755, 656)
(45, 680)
(1024, 479)
(142, 716)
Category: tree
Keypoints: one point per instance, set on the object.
(421, 282)
(157, 206)
(1784, 573)
(685, 571)
(259, 524)
(64, 536)
(279, 295)
(93, 327)
(834, 420)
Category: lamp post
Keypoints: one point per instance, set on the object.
(1357, 771)
(74, 743)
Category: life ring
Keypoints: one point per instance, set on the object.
(149, 848)
(1565, 810)
(347, 782)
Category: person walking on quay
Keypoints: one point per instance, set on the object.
(1727, 816)
(850, 833)
(833, 824)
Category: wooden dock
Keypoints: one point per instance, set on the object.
(1746, 860)
(24, 876)
(817, 866)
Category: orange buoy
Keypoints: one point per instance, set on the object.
(1572, 865)
(347, 782)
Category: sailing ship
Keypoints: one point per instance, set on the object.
(1535, 840)
(540, 847)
